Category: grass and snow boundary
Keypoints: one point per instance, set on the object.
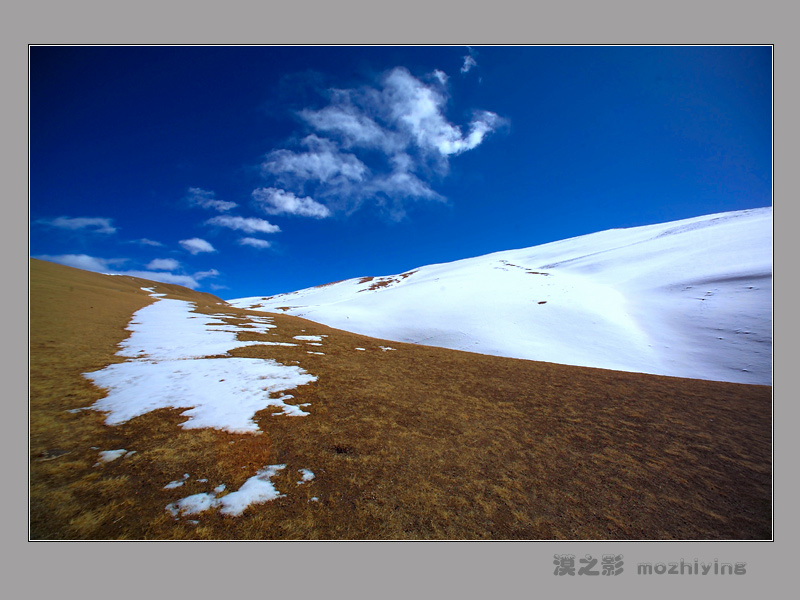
(168, 368)
(179, 359)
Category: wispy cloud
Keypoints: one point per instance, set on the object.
(146, 242)
(351, 124)
(386, 143)
(91, 224)
(206, 199)
(205, 274)
(469, 62)
(254, 243)
(322, 162)
(196, 246)
(246, 224)
(163, 264)
(274, 201)
(418, 110)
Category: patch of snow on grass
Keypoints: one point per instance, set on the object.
(256, 490)
(177, 483)
(152, 292)
(309, 338)
(191, 505)
(256, 328)
(290, 410)
(306, 474)
(109, 455)
(260, 318)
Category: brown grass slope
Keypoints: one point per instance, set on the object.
(415, 443)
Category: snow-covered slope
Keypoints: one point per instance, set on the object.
(689, 298)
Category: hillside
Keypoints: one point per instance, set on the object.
(338, 435)
(689, 298)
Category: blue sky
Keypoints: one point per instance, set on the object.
(248, 171)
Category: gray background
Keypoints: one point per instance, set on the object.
(383, 569)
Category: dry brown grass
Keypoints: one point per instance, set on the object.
(416, 443)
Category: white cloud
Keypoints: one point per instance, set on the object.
(205, 274)
(255, 243)
(146, 242)
(163, 264)
(370, 144)
(206, 199)
(85, 262)
(92, 224)
(323, 162)
(246, 224)
(280, 202)
(352, 126)
(196, 246)
(441, 76)
(400, 184)
(482, 124)
(419, 110)
(469, 62)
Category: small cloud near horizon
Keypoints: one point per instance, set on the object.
(105, 266)
(91, 224)
(83, 261)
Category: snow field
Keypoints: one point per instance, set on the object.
(690, 298)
